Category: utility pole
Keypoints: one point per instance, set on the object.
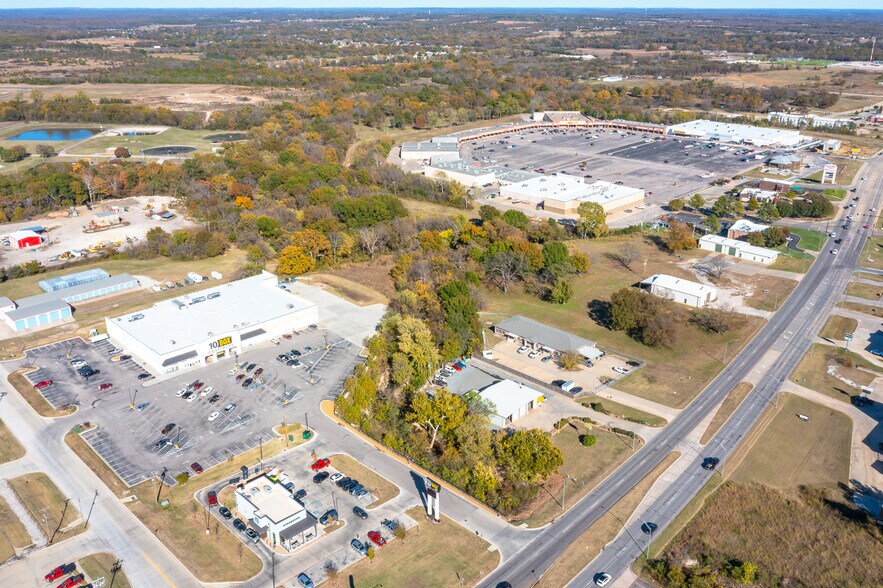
(261, 446)
(114, 570)
(162, 478)
(273, 555)
(88, 516)
(307, 419)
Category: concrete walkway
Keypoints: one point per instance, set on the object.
(666, 412)
(38, 537)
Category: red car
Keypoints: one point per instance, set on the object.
(377, 538)
(105, 386)
(60, 571)
(866, 226)
(42, 384)
(212, 498)
(196, 467)
(198, 385)
(322, 463)
(240, 377)
(72, 581)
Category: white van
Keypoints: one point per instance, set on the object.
(568, 386)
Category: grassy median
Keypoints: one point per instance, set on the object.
(33, 397)
(100, 565)
(51, 509)
(382, 489)
(725, 410)
(10, 448)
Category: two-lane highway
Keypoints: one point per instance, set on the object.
(788, 331)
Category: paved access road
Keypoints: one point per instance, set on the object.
(789, 332)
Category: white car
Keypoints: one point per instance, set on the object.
(230, 407)
(206, 391)
(534, 354)
(603, 579)
(335, 476)
(620, 370)
(192, 397)
(524, 349)
(213, 416)
(833, 252)
(233, 371)
(275, 341)
(181, 392)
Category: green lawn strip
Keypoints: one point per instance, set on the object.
(10, 448)
(100, 565)
(812, 371)
(46, 505)
(837, 326)
(861, 290)
(626, 412)
(432, 555)
(812, 240)
(584, 466)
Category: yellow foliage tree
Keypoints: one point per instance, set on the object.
(293, 261)
(244, 202)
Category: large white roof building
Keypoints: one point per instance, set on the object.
(563, 193)
(739, 249)
(680, 290)
(735, 133)
(511, 401)
(211, 324)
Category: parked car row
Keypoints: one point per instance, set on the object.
(64, 570)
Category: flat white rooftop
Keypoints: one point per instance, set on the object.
(460, 166)
(509, 396)
(427, 147)
(173, 325)
(558, 187)
(271, 499)
(724, 129)
(600, 192)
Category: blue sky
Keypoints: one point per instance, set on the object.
(742, 4)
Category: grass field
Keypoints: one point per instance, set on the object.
(12, 532)
(791, 452)
(171, 136)
(865, 308)
(10, 448)
(382, 489)
(812, 371)
(864, 290)
(181, 527)
(421, 209)
(868, 276)
(373, 275)
(585, 466)
(443, 555)
(33, 397)
(628, 413)
(837, 326)
(41, 497)
(812, 240)
(99, 565)
(791, 261)
(872, 253)
(355, 292)
(671, 376)
(846, 170)
(769, 292)
(834, 195)
(589, 544)
(726, 408)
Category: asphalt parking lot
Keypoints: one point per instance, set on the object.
(320, 498)
(131, 415)
(605, 155)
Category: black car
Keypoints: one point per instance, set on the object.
(294, 353)
(143, 376)
(709, 463)
(247, 382)
(89, 373)
(179, 284)
(250, 367)
(161, 443)
(320, 477)
(240, 526)
(292, 363)
(214, 398)
(300, 494)
(168, 428)
(360, 512)
(225, 512)
(350, 485)
(282, 358)
(342, 481)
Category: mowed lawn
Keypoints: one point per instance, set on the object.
(12, 532)
(41, 496)
(812, 240)
(791, 452)
(584, 466)
(812, 371)
(613, 408)
(861, 290)
(382, 489)
(10, 448)
(100, 565)
(171, 136)
(837, 326)
(443, 555)
(872, 253)
(672, 376)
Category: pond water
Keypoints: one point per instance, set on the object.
(54, 135)
(169, 150)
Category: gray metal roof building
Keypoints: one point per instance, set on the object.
(542, 334)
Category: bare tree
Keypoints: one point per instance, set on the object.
(715, 267)
(626, 256)
(90, 182)
(506, 267)
(370, 239)
(336, 240)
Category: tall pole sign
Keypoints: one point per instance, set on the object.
(433, 491)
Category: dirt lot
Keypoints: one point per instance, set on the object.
(820, 367)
